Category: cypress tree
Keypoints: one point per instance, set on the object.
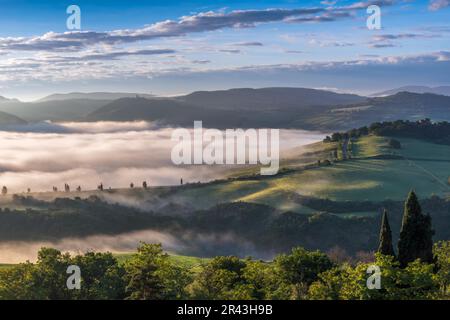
(416, 234)
(385, 247)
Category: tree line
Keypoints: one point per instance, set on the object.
(437, 132)
(419, 270)
(100, 187)
(416, 234)
(151, 274)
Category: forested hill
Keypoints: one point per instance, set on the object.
(436, 132)
(277, 108)
(298, 108)
(272, 230)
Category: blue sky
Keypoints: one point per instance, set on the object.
(173, 47)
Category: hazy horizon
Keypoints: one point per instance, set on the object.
(171, 49)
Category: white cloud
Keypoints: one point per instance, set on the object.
(85, 154)
(248, 44)
(438, 4)
(201, 22)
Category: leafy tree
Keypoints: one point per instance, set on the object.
(416, 234)
(328, 286)
(101, 276)
(49, 275)
(17, 283)
(151, 276)
(262, 282)
(175, 280)
(233, 278)
(301, 268)
(415, 281)
(218, 278)
(442, 258)
(385, 247)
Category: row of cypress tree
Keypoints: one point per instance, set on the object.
(416, 233)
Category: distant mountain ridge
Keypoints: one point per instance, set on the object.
(244, 108)
(4, 99)
(73, 106)
(93, 96)
(442, 90)
(9, 119)
(276, 108)
(267, 98)
(288, 108)
(55, 110)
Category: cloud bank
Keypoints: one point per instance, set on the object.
(84, 154)
(186, 243)
(201, 22)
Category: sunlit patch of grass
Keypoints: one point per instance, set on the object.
(369, 146)
(4, 266)
(365, 179)
(223, 192)
(188, 262)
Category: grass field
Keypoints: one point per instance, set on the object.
(185, 261)
(194, 264)
(425, 168)
(189, 262)
(369, 175)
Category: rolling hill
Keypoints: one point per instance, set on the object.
(268, 99)
(297, 108)
(9, 119)
(55, 110)
(375, 172)
(276, 108)
(171, 112)
(403, 105)
(93, 96)
(442, 90)
(73, 106)
(312, 204)
(6, 100)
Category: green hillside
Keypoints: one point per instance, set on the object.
(55, 110)
(318, 205)
(276, 108)
(375, 173)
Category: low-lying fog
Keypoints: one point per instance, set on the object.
(12, 252)
(42, 155)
